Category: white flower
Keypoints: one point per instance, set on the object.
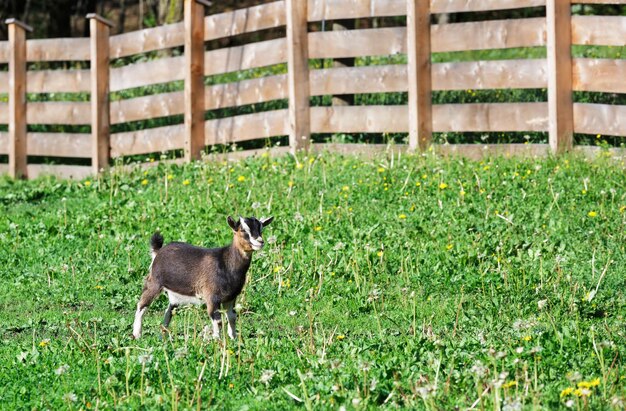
(256, 205)
(62, 369)
(298, 217)
(542, 303)
(145, 359)
(569, 403)
(271, 239)
(70, 397)
(512, 404)
(267, 376)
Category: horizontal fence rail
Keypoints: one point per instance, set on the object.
(94, 94)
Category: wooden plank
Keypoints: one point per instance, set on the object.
(143, 41)
(605, 75)
(497, 74)
(57, 81)
(17, 99)
(4, 51)
(476, 75)
(233, 23)
(4, 82)
(260, 54)
(490, 117)
(446, 118)
(163, 70)
(298, 75)
(494, 34)
(63, 49)
(246, 92)
(559, 40)
(481, 35)
(152, 140)
(601, 119)
(4, 113)
(193, 95)
(100, 119)
(59, 144)
(354, 9)
(4, 144)
(147, 107)
(247, 127)
(599, 30)
(600, 1)
(482, 151)
(419, 74)
(59, 112)
(60, 171)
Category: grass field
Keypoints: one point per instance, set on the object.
(406, 282)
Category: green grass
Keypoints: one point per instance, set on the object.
(413, 282)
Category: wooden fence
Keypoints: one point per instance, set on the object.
(559, 73)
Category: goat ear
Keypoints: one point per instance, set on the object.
(266, 221)
(233, 224)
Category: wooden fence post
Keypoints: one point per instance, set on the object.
(17, 98)
(560, 104)
(419, 73)
(298, 75)
(194, 79)
(100, 120)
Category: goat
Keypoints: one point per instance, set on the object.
(197, 275)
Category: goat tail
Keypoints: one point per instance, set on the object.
(156, 242)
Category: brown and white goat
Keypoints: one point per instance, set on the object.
(197, 275)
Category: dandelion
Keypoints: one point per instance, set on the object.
(87, 183)
(318, 228)
(340, 337)
(449, 247)
(527, 338)
(589, 384)
(170, 177)
(592, 214)
(298, 217)
(567, 391)
(380, 253)
(381, 169)
(144, 182)
(622, 209)
(485, 168)
(145, 359)
(299, 166)
(231, 385)
(70, 397)
(443, 186)
(99, 287)
(278, 268)
(241, 179)
(582, 392)
(271, 239)
(345, 188)
(418, 184)
(62, 369)
(462, 193)
(186, 182)
(402, 216)
(290, 183)
(267, 376)
(44, 343)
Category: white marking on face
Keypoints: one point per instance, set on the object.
(180, 299)
(245, 226)
(257, 243)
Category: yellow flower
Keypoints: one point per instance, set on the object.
(340, 337)
(527, 338)
(592, 214)
(598, 135)
(418, 184)
(424, 176)
(170, 177)
(584, 192)
(485, 168)
(380, 253)
(449, 247)
(231, 385)
(622, 209)
(278, 268)
(318, 228)
(299, 166)
(290, 183)
(144, 182)
(462, 193)
(443, 186)
(510, 384)
(589, 384)
(381, 170)
(44, 343)
(402, 216)
(186, 182)
(87, 183)
(582, 392)
(241, 179)
(345, 188)
(567, 391)
(99, 287)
